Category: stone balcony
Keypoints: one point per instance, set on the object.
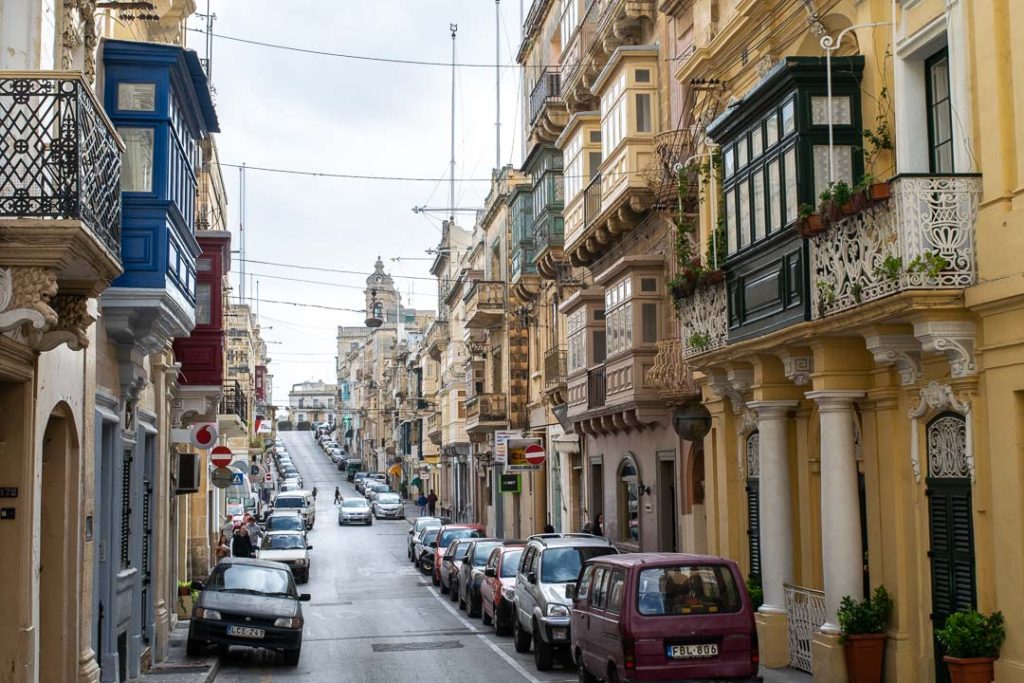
(670, 375)
(60, 206)
(484, 303)
(486, 412)
(437, 339)
(705, 320)
(548, 114)
(923, 238)
(433, 429)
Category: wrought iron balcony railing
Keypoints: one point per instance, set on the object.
(592, 201)
(705, 320)
(596, 387)
(61, 156)
(233, 401)
(924, 238)
(547, 88)
(554, 367)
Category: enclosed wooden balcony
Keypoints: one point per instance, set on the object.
(432, 427)
(437, 338)
(484, 303)
(486, 412)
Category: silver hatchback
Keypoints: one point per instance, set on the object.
(354, 511)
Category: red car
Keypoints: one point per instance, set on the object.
(663, 617)
(445, 536)
(498, 589)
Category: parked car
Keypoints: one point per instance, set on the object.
(335, 454)
(678, 617)
(498, 590)
(352, 465)
(354, 510)
(419, 525)
(388, 506)
(379, 476)
(471, 573)
(285, 520)
(445, 536)
(358, 479)
(373, 490)
(288, 548)
(541, 614)
(451, 562)
(248, 602)
(426, 549)
(298, 500)
(290, 485)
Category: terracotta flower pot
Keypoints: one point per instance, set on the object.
(970, 669)
(849, 208)
(810, 226)
(863, 653)
(715, 277)
(878, 192)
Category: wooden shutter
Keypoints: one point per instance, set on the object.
(754, 527)
(952, 547)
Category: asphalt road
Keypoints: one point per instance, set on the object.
(373, 616)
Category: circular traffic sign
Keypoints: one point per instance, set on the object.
(221, 477)
(220, 456)
(534, 454)
(204, 435)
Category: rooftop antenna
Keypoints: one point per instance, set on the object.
(497, 81)
(451, 189)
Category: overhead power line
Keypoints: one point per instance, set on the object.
(351, 176)
(333, 270)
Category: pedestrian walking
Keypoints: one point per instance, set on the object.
(599, 525)
(432, 503)
(227, 529)
(422, 503)
(223, 549)
(314, 493)
(241, 544)
(337, 496)
(254, 531)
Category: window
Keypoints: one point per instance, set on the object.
(629, 502)
(619, 316)
(204, 264)
(643, 113)
(576, 356)
(649, 323)
(137, 161)
(584, 584)
(136, 96)
(203, 301)
(940, 114)
(616, 588)
(600, 589)
(694, 589)
(642, 75)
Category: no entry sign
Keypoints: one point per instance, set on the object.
(220, 456)
(524, 455)
(534, 454)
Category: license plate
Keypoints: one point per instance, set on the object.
(692, 651)
(246, 632)
(560, 633)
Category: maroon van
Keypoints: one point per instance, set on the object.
(663, 617)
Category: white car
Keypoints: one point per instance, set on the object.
(290, 548)
(354, 511)
(388, 506)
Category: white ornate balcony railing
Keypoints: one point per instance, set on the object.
(805, 613)
(705, 320)
(922, 239)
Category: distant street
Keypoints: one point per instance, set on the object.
(373, 616)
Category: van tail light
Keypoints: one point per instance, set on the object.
(629, 654)
(755, 655)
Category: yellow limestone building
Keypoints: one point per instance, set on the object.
(863, 376)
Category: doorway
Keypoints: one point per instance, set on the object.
(57, 541)
(668, 530)
(596, 489)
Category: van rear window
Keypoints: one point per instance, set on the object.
(289, 502)
(693, 589)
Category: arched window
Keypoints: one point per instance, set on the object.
(629, 501)
(378, 310)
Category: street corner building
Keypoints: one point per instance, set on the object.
(113, 257)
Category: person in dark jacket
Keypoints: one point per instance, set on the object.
(241, 544)
(599, 525)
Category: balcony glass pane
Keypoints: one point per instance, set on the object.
(643, 113)
(789, 170)
(771, 128)
(841, 115)
(759, 220)
(843, 166)
(774, 196)
(744, 210)
(730, 221)
(136, 96)
(137, 162)
(203, 299)
(788, 118)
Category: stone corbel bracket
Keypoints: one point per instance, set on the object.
(797, 368)
(732, 385)
(25, 297)
(903, 351)
(936, 397)
(954, 339)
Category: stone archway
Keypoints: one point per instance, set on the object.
(58, 541)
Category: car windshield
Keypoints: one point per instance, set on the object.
(422, 524)
(242, 578)
(510, 563)
(693, 589)
(284, 523)
(353, 503)
(429, 535)
(481, 551)
(562, 565)
(284, 542)
(289, 502)
(458, 552)
(450, 535)
(388, 499)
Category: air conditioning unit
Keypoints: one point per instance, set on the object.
(188, 473)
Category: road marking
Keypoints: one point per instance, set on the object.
(484, 639)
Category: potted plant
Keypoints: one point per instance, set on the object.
(842, 196)
(808, 223)
(972, 641)
(862, 623)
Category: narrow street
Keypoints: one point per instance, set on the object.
(373, 616)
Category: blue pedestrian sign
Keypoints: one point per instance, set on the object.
(237, 480)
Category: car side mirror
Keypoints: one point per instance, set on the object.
(570, 591)
(410, 532)
(198, 586)
(532, 577)
(433, 544)
(489, 571)
(304, 597)
(309, 547)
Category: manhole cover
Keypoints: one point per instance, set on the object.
(416, 647)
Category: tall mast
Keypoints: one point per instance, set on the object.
(497, 81)
(451, 182)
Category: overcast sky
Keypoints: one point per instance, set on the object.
(290, 110)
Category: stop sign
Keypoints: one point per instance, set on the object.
(534, 454)
(220, 456)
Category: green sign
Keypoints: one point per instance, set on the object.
(511, 483)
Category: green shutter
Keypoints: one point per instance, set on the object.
(754, 527)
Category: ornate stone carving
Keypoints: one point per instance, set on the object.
(947, 448)
(731, 386)
(705, 320)
(753, 451)
(797, 368)
(73, 321)
(25, 295)
(954, 339)
(902, 351)
(78, 22)
(936, 398)
(745, 427)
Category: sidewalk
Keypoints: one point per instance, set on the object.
(785, 676)
(179, 667)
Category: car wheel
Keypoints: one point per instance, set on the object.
(543, 653)
(462, 604)
(443, 585)
(500, 629)
(476, 607)
(485, 617)
(522, 638)
(584, 675)
(453, 592)
(369, 522)
(193, 647)
(613, 674)
(291, 657)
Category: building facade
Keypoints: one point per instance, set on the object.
(312, 401)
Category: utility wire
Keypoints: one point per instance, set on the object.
(333, 270)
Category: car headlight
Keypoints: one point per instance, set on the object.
(508, 592)
(288, 622)
(210, 614)
(557, 611)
